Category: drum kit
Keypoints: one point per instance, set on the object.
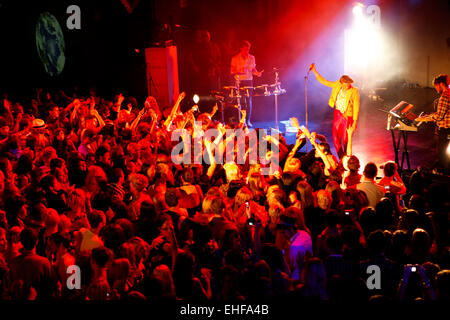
(235, 94)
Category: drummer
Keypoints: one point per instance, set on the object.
(243, 68)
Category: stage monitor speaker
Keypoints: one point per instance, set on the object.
(162, 74)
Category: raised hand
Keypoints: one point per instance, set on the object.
(214, 109)
(120, 99)
(76, 104)
(221, 128)
(294, 123)
(7, 104)
(153, 114)
(92, 103)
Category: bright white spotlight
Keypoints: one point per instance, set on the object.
(448, 149)
(196, 98)
(357, 10)
(363, 41)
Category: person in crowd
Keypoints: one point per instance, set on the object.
(32, 275)
(373, 191)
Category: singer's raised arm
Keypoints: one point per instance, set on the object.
(321, 79)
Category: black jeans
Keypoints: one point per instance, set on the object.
(443, 141)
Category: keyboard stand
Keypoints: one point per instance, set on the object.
(403, 135)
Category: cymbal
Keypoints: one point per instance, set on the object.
(263, 86)
(229, 87)
(275, 70)
(245, 88)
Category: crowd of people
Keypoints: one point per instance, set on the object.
(92, 183)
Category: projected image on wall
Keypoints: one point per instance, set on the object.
(50, 44)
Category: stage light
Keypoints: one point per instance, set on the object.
(363, 41)
(448, 149)
(357, 10)
(196, 98)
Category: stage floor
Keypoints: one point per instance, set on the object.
(372, 142)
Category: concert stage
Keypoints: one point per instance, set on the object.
(371, 141)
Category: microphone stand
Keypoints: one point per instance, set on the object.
(306, 106)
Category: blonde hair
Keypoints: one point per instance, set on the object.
(76, 200)
(230, 173)
(51, 219)
(212, 204)
(256, 182)
(276, 209)
(293, 164)
(244, 194)
(139, 181)
(323, 193)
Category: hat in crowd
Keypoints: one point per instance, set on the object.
(38, 124)
(345, 79)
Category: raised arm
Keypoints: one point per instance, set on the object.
(73, 115)
(212, 166)
(399, 184)
(242, 122)
(330, 164)
(136, 121)
(321, 79)
(175, 108)
(95, 113)
(214, 110)
(297, 145)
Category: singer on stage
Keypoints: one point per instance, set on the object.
(243, 67)
(345, 101)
